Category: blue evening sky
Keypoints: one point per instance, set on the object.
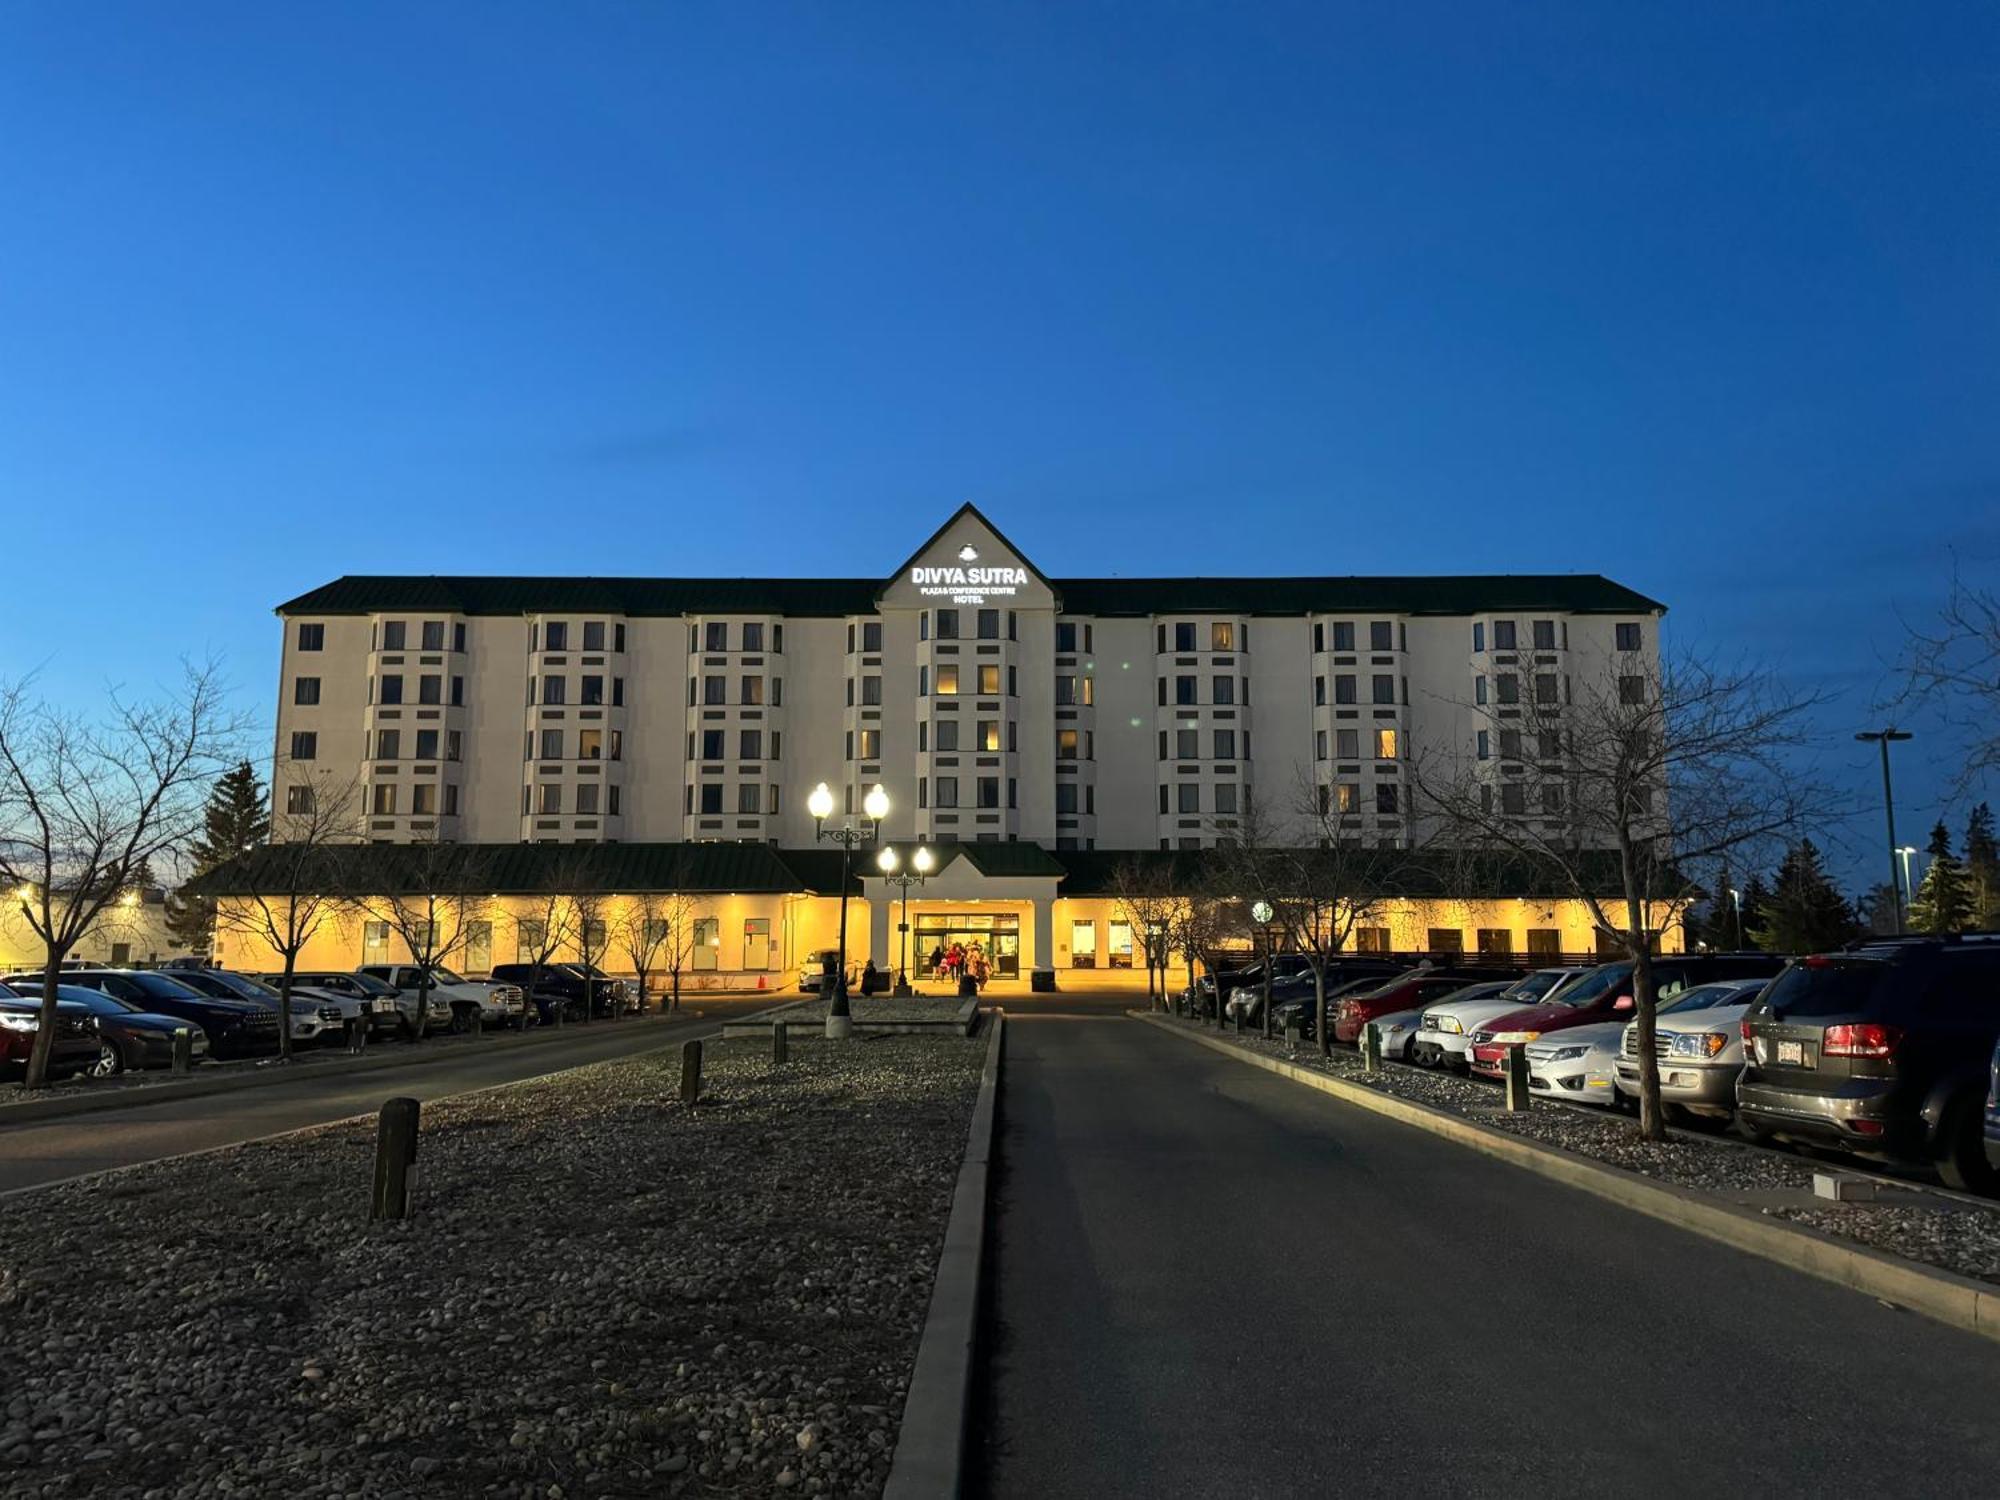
(1701, 297)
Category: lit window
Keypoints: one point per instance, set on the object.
(947, 679)
(1385, 744)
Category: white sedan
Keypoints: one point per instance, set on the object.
(1578, 1064)
(1445, 1027)
(1397, 1032)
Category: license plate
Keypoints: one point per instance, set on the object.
(1793, 1053)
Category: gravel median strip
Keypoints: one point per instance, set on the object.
(1930, 1228)
(601, 1292)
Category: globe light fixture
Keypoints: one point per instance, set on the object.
(875, 806)
(820, 803)
(890, 864)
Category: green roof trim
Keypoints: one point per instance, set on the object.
(1412, 594)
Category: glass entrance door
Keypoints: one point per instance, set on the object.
(995, 935)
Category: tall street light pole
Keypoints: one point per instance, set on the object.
(1260, 913)
(920, 867)
(1909, 890)
(1885, 737)
(875, 807)
(1736, 899)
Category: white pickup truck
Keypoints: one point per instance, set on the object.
(472, 1001)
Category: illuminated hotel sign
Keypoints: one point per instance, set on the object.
(968, 585)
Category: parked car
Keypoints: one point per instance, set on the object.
(385, 1008)
(315, 1017)
(1698, 1040)
(1576, 1063)
(568, 986)
(1299, 1003)
(1397, 1030)
(1446, 1033)
(465, 1001)
(1291, 979)
(235, 1028)
(1409, 990)
(1883, 1050)
(74, 1050)
(817, 965)
(128, 1038)
(1605, 994)
(1236, 975)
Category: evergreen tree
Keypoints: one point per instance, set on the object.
(1982, 868)
(1878, 910)
(1756, 898)
(1943, 902)
(1806, 913)
(238, 820)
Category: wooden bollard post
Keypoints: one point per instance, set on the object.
(1371, 1049)
(781, 1043)
(1514, 1068)
(183, 1050)
(395, 1158)
(690, 1072)
(1294, 1034)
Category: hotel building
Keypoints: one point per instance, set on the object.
(1030, 729)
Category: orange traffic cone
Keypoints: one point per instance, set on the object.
(760, 981)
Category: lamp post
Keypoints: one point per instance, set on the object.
(1260, 913)
(920, 867)
(1736, 900)
(1909, 891)
(875, 807)
(1885, 737)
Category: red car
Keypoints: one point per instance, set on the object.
(1605, 994)
(1407, 991)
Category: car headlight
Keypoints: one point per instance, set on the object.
(1399, 1026)
(1448, 1025)
(1567, 1054)
(15, 1021)
(1699, 1044)
(1509, 1037)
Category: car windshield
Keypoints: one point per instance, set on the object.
(1592, 987)
(1825, 987)
(1537, 985)
(441, 975)
(161, 988)
(1707, 997)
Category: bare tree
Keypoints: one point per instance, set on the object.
(1609, 786)
(438, 889)
(1319, 891)
(1201, 918)
(589, 906)
(84, 805)
(299, 880)
(1146, 902)
(656, 932)
(1956, 665)
(543, 928)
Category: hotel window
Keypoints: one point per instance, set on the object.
(1224, 689)
(989, 791)
(871, 690)
(1225, 744)
(593, 635)
(947, 624)
(1478, 635)
(1631, 689)
(753, 635)
(923, 791)
(1385, 687)
(1343, 635)
(989, 624)
(989, 680)
(1479, 688)
(590, 744)
(391, 688)
(988, 735)
(1347, 797)
(1319, 744)
(714, 690)
(871, 635)
(1319, 691)
(305, 745)
(1545, 635)
(1066, 691)
(1343, 687)
(298, 799)
(1065, 796)
(1184, 636)
(427, 744)
(707, 943)
(586, 798)
(552, 745)
(1385, 797)
(1552, 801)
(947, 791)
(1187, 744)
(458, 692)
(423, 799)
(433, 635)
(1066, 748)
(392, 635)
(923, 681)
(1510, 744)
(1545, 687)
(1513, 798)
(1509, 686)
(555, 690)
(1484, 743)
(711, 744)
(947, 734)
(451, 744)
(385, 798)
(458, 639)
(313, 637)
(1065, 635)
(1628, 638)
(746, 797)
(947, 680)
(750, 745)
(1549, 744)
(1503, 635)
(1385, 744)
(388, 744)
(1347, 743)
(430, 688)
(1221, 636)
(1184, 690)
(753, 690)
(711, 796)
(717, 636)
(1225, 796)
(593, 690)
(870, 744)
(1189, 797)
(555, 636)
(1381, 636)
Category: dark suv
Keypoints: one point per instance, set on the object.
(235, 1028)
(562, 985)
(1882, 1050)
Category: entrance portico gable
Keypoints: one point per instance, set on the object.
(999, 880)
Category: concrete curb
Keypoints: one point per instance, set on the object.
(1958, 1301)
(930, 1444)
(402, 1056)
(960, 1023)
